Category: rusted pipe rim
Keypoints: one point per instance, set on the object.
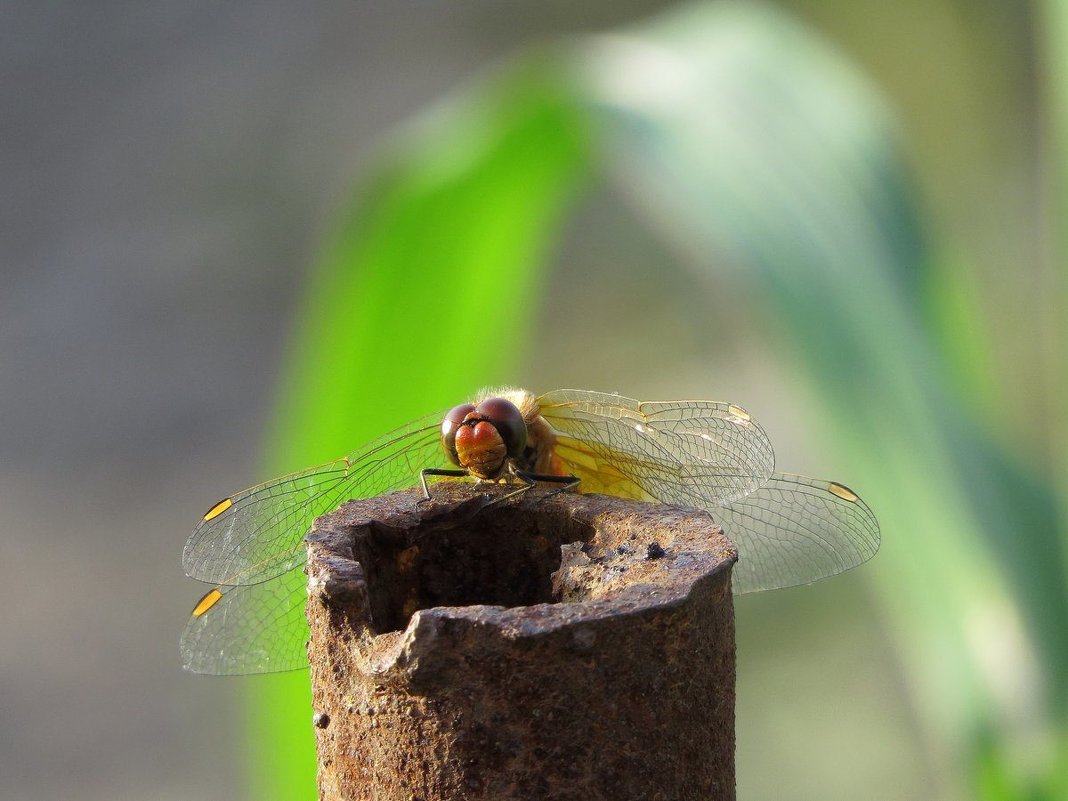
(616, 558)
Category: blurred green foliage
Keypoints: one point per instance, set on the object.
(424, 292)
(768, 164)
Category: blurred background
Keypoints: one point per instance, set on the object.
(240, 238)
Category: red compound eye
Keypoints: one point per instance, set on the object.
(450, 425)
(508, 421)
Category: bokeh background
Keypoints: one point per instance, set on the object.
(239, 238)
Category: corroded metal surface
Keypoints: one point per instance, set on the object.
(564, 647)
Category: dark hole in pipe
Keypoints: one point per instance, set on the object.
(501, 556)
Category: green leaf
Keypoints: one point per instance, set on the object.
(424, 294)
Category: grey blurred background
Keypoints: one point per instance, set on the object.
(168, 169)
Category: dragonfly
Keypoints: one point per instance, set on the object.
(789, 529)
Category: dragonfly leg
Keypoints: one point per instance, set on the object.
(527, 484)
(567, 482)
(434, 471)
(531, 479)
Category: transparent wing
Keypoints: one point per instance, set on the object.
(258, 534)
(797, 530)
(791, 530)
(258, 628)
(693, 452)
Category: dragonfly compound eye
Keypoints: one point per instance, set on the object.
(508, 421)
(449, 427)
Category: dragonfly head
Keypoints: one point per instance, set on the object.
(482, 438)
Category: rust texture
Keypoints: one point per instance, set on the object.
(546, 647)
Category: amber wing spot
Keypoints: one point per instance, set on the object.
(740, 413)
(207, 602)
(843, 492)
(218, 509)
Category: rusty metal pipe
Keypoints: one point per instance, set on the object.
(565, 647)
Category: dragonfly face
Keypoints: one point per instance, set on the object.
(788, 529)
(481, 439)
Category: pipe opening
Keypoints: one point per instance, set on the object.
(499, 556)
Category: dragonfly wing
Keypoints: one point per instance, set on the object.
(258, 534)
(258, 628)
(797, 530)
(663, 450)
(616, 473)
